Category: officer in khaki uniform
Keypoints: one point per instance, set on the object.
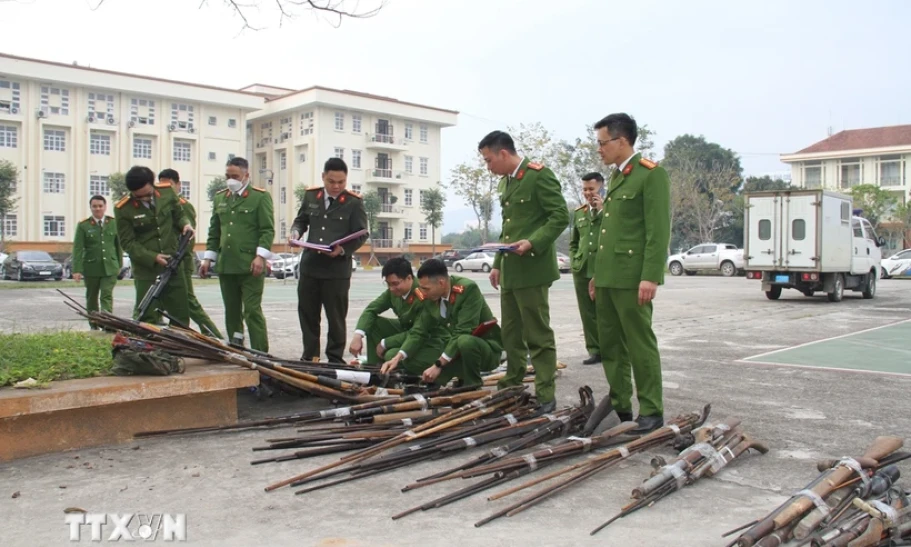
(583, 246)
(386, 335)
(328, 213)
(534, 215)
(149, 223)
(240, 240)
(632, 253)
(454, 309)
(97, 256)
(188, 265)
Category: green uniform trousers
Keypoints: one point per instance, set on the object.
(197, 314)
(243, 298)
(473, 357)
(383, 327)
(313, 296)
(588, 314)
(629, 348)
(102, 287)
(526, 332)
(173, 300)
(417, 362)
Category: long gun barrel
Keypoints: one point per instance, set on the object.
(161, 282)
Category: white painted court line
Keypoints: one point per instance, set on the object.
(836, 369)
(766, 354)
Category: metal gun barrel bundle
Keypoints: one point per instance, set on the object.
(162, 280)
(806, 510)
(714, 448)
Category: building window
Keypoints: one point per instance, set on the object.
(306, 124)
(356, 159)
(232, 123)
(409, 197)
(101, 106)
(423, 132)
(10, 96)
(409, 229)
(356, 188)
(424, 162)
(55, 100)
(423, 232)
(765, 229)
(142, 148)
(302, 157)
(284, 229)
(142, 111)
(339, 153)
(284, 198)
(212, 156)
(409, 164)
(423, 197)
(283, 161)
(812, 174)
(339, 121)
(99, 144)
(231, 157)
(55, 140)
(891, 170)
(213, 120)
(356, 123)
(409, 132)
(185, 189)
(262, 162)
(54, 226)
(182, 150)
(850, 172)
(54, 183)
(10, 226)
(182, 116)
(98, 185)
(9, 136)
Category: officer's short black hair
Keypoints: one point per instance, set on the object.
(399, 267)
(433, 268)
(496, 141)
(335, 164)
(99, 198)
(139, 176)
(169, 174)
(239, 162)
(595, 176)
(619, 125)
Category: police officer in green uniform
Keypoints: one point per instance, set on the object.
(632, 252)
(240, 240)
(97, 256)
(583, 246)
(149, 223)
(534, 215)
(328, 213)
(387, 334)
(454, 308)
(188, 265)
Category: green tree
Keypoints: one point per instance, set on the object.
(299, 192)
(216, 185)
(372, 205)
(9, 182)
(117, 184)
(877, 205)
(760, 184)
(432, 206)
(477, 186)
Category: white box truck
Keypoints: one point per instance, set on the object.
(809, 240)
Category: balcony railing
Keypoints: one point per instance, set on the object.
(389, 209)
(894, 180)
(387, 175)
(383, 140)
(383, 243)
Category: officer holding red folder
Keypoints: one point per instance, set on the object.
(327, 214)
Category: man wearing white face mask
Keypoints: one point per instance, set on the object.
(240, 238)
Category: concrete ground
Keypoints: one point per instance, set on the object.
(706, 327)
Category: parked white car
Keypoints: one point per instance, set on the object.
(563, 263)
(723, 257)
(480, 261)
(896, 265)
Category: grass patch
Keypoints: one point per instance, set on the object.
(54, 356)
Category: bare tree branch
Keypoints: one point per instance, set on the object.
(336, 10)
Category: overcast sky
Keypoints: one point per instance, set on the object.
(759, 77)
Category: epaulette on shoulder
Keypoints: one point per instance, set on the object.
(312, 188)
(222, 191)
(535, 166)
(458, 289)
(162, 185)
(86, 219)
(108, 217)
(183, 201)
(583, 206)
(355, 194)
(123, 201)
(420, 294)
(647, 163)
(258, 189)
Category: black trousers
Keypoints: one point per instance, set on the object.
(314, 295)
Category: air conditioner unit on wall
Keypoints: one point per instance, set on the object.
(172, 127)
(14, 110)
(131, 123)
(91, 118)
(42, 113)
(191, 129)
(111, 120)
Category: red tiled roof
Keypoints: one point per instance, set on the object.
(859, 139)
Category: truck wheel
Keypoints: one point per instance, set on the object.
(870, 286)
(838, 290)
(728, 269)
(676, 268)
(774, 293)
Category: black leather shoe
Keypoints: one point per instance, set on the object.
(625, 416)
(647, 424)
(592, 360)
(547, 408)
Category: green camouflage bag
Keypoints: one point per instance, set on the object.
(139, 359)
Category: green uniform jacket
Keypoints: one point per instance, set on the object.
(96, 249)
(190, 213)
(533, 208)
(344, 216)
(242, 227)
(635, 227)
(147, 232)
(583, 241)
(406, 309)
(466, 309)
